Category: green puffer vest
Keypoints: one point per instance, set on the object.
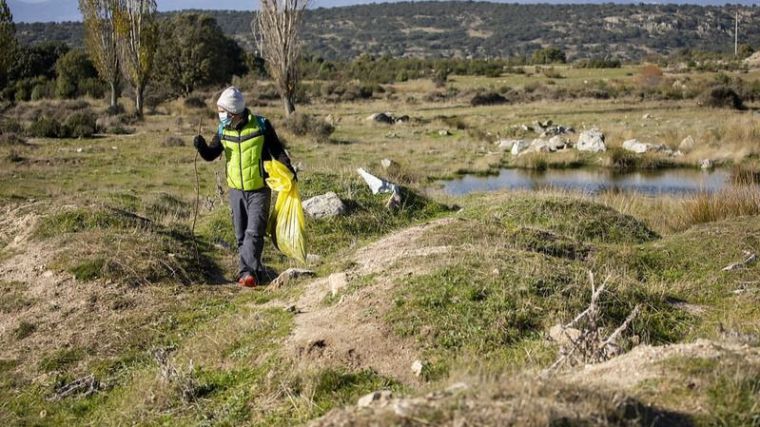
(242, 151)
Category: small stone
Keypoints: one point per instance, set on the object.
(325, 206)
(417, 367)
(375, 398)
(337, 282)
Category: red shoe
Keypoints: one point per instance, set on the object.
(247, 281)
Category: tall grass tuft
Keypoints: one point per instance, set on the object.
(733, 202)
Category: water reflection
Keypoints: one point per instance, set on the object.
(670, 181)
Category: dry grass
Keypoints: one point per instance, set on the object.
(733, 202)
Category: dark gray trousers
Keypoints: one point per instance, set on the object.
(250, 211)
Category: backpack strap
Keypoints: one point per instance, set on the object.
(262, 123)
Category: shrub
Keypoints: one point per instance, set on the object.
(45, 127)
(488, 98)
(80, 125)
(195, 102)
(650, 75)
(115, 110)
(304, 124)
(173, 141)
(722, 97)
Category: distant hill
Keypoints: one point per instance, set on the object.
(470, 29)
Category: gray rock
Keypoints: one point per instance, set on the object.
(558, 142)
(538, 146)
(505, 144)
(635, 146)
(687, 144)
(377, 398)
(325, 206)
(591, 140)
(519, 146)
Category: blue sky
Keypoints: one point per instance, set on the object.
(66, 10)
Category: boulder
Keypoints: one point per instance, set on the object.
(520, 146)
(687, 144)
(538, 145)
(558, 142)
(591, 140)
(324, 206)
(375, 398)
(635, 146)
(506, 144)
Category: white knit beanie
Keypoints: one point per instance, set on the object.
(232, 100)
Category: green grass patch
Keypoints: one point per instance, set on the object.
(88, 269)
(24, 329)
(61, 359)
(577, 219)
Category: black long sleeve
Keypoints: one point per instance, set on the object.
(273, 148)
(211, 151)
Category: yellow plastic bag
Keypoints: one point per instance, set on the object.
(286, 226)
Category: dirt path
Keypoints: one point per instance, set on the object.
(352, 332)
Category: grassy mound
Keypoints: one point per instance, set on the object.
(127, 240)
(577, 219)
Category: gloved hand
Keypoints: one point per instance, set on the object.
(199, 142)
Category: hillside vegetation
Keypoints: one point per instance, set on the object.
(486, 30)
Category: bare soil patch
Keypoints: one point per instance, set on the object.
(353, 331)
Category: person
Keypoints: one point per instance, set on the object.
(247, 141)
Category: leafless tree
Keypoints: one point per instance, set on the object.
(138, 39)
(102, 41)
(276, 28)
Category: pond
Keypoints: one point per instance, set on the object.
(653, 183)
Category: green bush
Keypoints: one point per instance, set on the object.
(80, 125)
(45, 127)
(722, 97)
(304, 124)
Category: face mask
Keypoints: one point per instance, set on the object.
(224, 118)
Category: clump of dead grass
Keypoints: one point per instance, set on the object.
(732, 202)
